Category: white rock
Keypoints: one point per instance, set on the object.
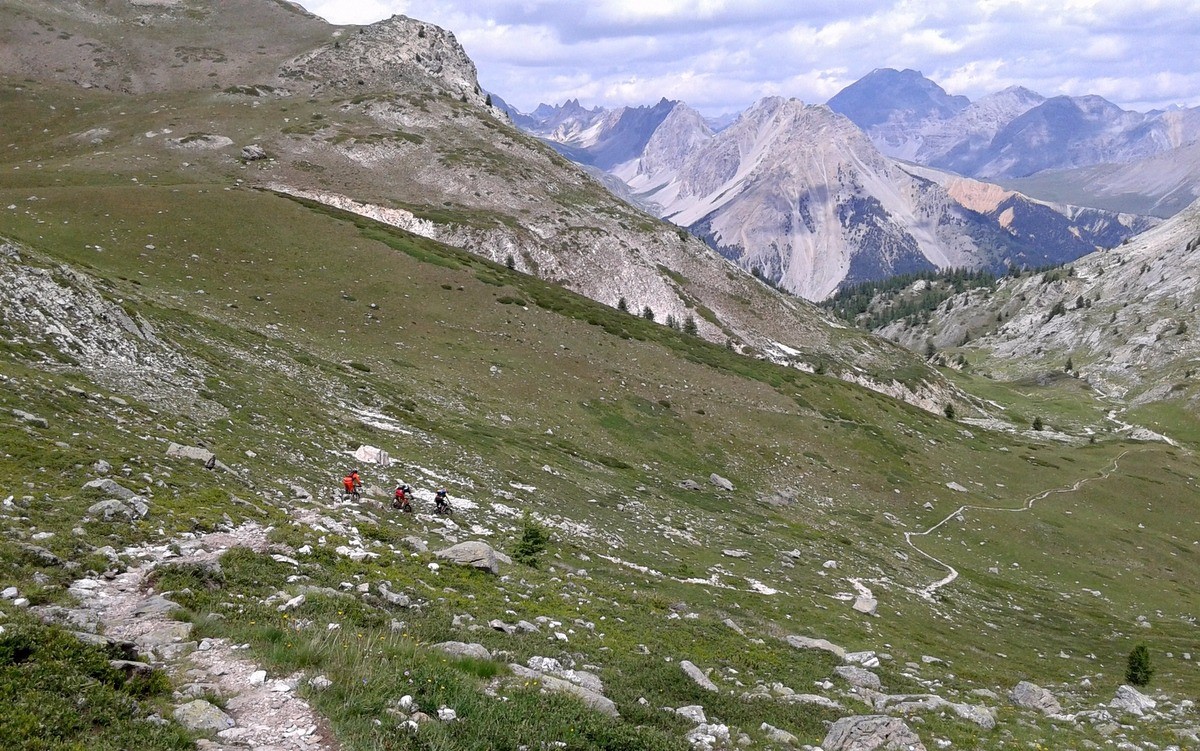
(258, 677)
(446, 714)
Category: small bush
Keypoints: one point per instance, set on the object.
(532, 543)
(1138, 672)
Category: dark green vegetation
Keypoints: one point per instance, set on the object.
(1139, 671)
(875, 304)
(59, 694)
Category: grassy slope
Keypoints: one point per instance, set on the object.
(497, 376)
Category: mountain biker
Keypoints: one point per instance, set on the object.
(441, 502)
(401, 498)
(351, 484)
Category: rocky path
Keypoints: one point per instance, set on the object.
(928, 591)
(257, 713)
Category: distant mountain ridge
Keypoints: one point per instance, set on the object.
(1014, 133)
(801, 196)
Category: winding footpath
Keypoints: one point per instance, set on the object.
(928, 591)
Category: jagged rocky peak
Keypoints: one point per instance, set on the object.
(386, 54)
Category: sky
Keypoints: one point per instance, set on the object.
(720, 56)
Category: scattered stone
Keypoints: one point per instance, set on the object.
(258, 677)
(720, 482)
(804, 642)
(866, 658)
(372, 455)
(101, 467)
(110, 487)
(10, 593)
(445, 714)
(132, 668)
(108, 510)
(692, 712)
(866, 605)
(697, 675)
(463, 649)
(1129, 699)
(729, 623)
(956, 487)
(253, 153)
(30, 419)
(293, 603)
(415, 544)
(195, 453)
(473, 553)
(735, 553)
(869, 732)
(859, 677)
(690, 485)
(1031, 696)
(591, 699)
(320, 683)
(399, 599)
(201, 716)
(498, 625)
(708, 737)
(775, 735)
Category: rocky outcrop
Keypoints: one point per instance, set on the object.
(870, 732)
(806, 642)
(590, 698)
(1031, 696)
(1132, 701)
(383, 54)
(697, 675)
(474, 553)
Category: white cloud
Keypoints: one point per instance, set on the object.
(722, 55)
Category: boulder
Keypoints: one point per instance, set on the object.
(1129, 699)
(692, 713)
(30, 419)
(201, 716)
(194, 453)
(109, 510)
(690, 485)
(1031, 696)
(804, 642)
(869, 732)
(720, 482)
(473, 553)
(697, 675)
(866, 605)
(372, 455)
(132, 668)
(253, 153)
(775, 735)
(709, 737)
(860, 677)
(463, 649)
(109, 487)
(399, 599)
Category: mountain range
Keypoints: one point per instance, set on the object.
(803, 196)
